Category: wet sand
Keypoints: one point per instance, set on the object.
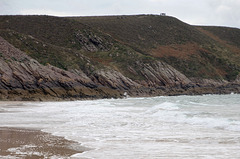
(23, 143)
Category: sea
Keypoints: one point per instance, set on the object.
(165, 127)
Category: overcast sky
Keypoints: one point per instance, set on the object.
(197, 12)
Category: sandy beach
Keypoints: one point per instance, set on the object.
(23, 143)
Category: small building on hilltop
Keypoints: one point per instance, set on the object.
(163, 14)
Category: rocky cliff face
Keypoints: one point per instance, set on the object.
(114, 80)
(162, 74)
(23, 78)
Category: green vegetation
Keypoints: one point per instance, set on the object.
(46, 53)
(230, 35)
(86, 49)
(125, 43)
(13, 58)
(143, 32)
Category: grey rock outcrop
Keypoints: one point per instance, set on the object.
(22, 77)
(114, 80)
(209, 82)
(91, 42)
(237, 79)
(162, 74)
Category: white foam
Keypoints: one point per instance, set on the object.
(9, 157)
(170, 112)
(159, 127)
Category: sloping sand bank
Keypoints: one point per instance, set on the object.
(22, 143)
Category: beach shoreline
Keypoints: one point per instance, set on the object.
(27, 143)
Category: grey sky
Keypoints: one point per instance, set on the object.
(197, 12)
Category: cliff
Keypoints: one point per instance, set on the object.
(23, 78)
(52, 58)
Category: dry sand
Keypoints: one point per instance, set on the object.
(22, 143)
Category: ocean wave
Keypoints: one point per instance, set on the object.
(174, 113)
